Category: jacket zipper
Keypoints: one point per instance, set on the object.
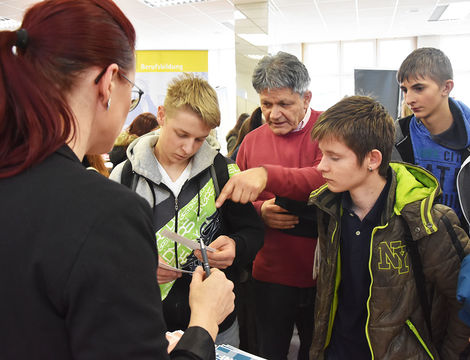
(176, 231)
(334, 303)
(418, 337)
(374, 230)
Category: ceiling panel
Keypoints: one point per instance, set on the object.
(209, 24)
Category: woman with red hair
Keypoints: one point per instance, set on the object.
(77, 251)
(141, 125)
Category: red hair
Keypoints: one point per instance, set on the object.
(64, 38)
(143, 124)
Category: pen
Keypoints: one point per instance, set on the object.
(205, 261)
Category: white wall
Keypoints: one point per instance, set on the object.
(294, 49)
(247, 97)
(222, 76)
(331, 64)
(458, 52)
(329, 87)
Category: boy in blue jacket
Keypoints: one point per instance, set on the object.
(437, 135)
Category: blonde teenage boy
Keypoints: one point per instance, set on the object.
(176, 171)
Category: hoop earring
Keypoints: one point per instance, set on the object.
(108, 104)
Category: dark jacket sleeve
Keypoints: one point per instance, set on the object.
(246, 228)
(196, 343)
(243, 224)
(112, 299)
(441, 259)
(117, 155)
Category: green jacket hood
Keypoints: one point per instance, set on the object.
(412, 192)
(414, 183)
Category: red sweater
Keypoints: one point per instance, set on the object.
(283, 259)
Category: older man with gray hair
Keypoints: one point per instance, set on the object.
(284, 285)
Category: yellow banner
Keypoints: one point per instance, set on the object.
(171, 61)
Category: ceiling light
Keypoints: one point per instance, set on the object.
(162, 3)
(8, 24)
(452, 11)
(255, 39)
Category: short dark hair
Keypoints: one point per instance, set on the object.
(424, 62)
(363, 124)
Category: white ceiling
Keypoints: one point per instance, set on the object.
(210, 25)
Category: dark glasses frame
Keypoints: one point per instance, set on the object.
(137, 89)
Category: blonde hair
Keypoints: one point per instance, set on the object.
(188, 92)
(405, 109)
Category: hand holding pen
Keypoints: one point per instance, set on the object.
(214, 293)
(205, 260)
(224, 255)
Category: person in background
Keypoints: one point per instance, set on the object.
(405, 110)
(141, 125)
(77, 251)
(283, 267)
(212, 140)
(232, 135)
(96, 163)
(254, 121)
(437, 135)
(176, 171)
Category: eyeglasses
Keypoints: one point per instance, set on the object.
(136, 92)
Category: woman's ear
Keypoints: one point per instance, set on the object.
(374, 159)
(161, 115)
(106, 84)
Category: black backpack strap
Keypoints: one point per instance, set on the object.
(128, 177)
(465, 153)
(453, 236)
(412, 247)
(219, 173)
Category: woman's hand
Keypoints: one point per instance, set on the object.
(210, 299)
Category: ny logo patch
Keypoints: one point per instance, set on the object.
(393, 256)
